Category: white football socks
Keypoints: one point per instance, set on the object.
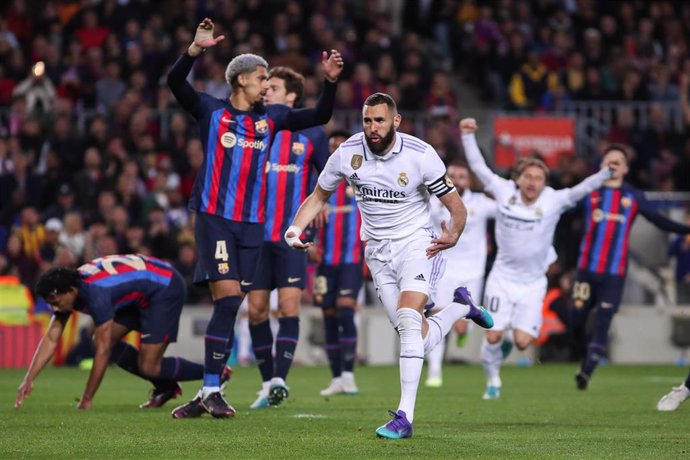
(434, 360)
(441, 323)
(491, 360)
(411, 358)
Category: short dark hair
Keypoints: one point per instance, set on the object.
(381, 98)
(619, 147)
(58, 280)
(459, 164)
(294, 81)
(339, 133)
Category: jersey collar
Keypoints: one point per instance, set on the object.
(397, 148)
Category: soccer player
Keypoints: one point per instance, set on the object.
(229, 192)
(527, 214)
(672, 400)
(293, 156)
(121, 293)
(393, 175)
(601, 269)
(465, 262)
(339, 280)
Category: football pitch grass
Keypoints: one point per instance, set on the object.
(540, 415)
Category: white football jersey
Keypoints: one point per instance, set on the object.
(524, 233)
(468, 257)
(393, 190)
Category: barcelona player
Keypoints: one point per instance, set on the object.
(229, 192)
(293, 158)
(121, 293)
(339, 280)
(610, 213)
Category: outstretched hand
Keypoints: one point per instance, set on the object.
(23, 392)
(332, 65)
(292, 239)
(445, 241)
(204, 37)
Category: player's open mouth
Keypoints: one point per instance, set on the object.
(375, 139)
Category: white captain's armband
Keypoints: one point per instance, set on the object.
(441, 186)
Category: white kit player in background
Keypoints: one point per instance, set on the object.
(393, 175)
(465, 262)
(528, 211)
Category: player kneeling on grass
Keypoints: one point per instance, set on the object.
(121, 293)
(393, 175)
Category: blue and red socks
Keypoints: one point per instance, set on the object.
(218, 332)
(173, 369)
(286, 343)
(348, 337)
(333, 351)
(262, 344)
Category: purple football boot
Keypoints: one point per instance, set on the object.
(477, 314)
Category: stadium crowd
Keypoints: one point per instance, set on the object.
(96, 158)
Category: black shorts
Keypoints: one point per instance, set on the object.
(595, 289)
(280, 266)
(158, 322)
(335, 281)
(226, 250)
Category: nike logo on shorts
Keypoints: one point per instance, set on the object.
(293, 280)
(246, 283)
(345, 291)
(145, 336)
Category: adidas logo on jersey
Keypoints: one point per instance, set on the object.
(354, 177)
(420, 277)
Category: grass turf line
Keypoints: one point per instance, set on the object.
(539, 415)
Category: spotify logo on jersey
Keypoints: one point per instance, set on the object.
(228, 140)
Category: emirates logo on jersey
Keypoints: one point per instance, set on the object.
(298, 148)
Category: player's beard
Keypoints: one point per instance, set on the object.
(383, 144)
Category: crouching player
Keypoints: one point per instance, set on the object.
(121, 293)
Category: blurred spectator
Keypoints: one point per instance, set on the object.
(51, 243)
(185, 263)
(528, 85)
(73, 236)
(37, 89)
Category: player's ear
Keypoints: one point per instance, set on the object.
(291, 98)
(397, 120)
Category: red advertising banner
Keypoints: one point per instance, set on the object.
(516, 137)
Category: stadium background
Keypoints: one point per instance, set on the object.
(96, 157)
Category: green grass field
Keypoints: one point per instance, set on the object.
(540, 415)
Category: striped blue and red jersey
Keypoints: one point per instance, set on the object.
(340, 238)
(610, 213)
(231, 182)
(119, 281)
(293, 159)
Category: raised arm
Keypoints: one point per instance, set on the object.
(177, 77)
(488, 178)
(44, 352)
(659, 220)
(570, 196)
(305, 118)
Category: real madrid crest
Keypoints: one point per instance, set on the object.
(539, 212)
(626, 202)
(223, 268)
(512, 200)
(298, 148)
(261, 126)
(403, 180)
(356, 161)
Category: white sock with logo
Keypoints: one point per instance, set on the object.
(411, 358)
(491, 361)
(441, 323)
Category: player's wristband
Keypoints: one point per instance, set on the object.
(291, 240)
